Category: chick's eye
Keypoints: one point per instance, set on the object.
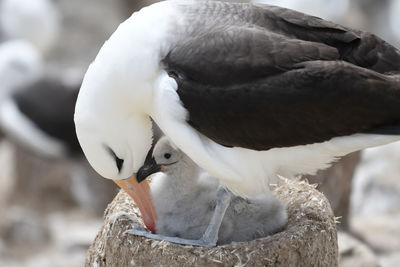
(167, 155)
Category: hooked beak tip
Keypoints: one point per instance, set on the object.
(140, 193)
(147, 169)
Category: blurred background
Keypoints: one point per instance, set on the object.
(52, 202)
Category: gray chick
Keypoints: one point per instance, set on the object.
(189, 202)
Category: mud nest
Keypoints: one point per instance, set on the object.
(309, 238)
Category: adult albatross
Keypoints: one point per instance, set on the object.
(247, 91)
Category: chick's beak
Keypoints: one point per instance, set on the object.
(140, 193)
(150, 167)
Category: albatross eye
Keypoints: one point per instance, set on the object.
(119, 162)
(167, 155)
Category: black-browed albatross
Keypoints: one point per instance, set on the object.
(247, 91)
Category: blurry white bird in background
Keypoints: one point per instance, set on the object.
(20, 64)
(38, 21)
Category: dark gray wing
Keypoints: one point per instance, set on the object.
(311, 103)
(361, 48)
(272, 77)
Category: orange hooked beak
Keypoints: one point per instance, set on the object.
(140, 193)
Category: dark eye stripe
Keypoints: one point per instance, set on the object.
(118, 161)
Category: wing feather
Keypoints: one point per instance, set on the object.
(273, 77)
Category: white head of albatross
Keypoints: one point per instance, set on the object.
(112, 111)
(244, 98)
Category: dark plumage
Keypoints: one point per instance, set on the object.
(254, 77)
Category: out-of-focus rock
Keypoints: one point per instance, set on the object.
(381, 232)
(7, 173)
(49, 184)
(390, 260)
(309, 238)
(377, 182)
(353, 253)
(335, 183)
(72, 231)
(86, 26)
(67, 235)
(23, 229)
(375, 209)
